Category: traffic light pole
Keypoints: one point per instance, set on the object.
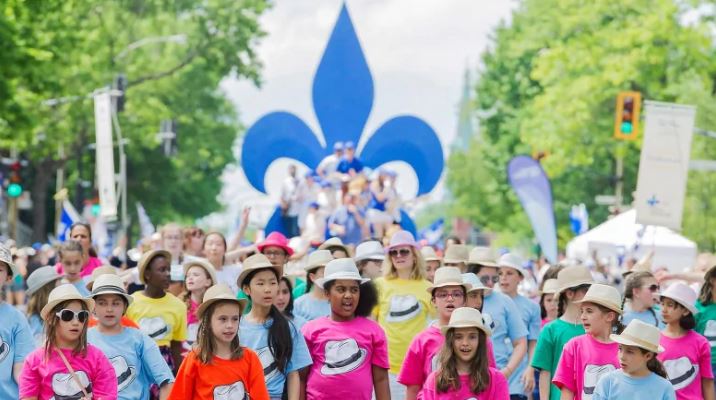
(619, 187)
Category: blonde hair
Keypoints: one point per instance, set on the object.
(417, 273)
(170, 227)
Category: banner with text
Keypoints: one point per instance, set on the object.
(105, 156)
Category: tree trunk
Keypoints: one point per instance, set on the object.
(44, 171)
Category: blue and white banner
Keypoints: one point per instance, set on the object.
(532, 187)
(68, 217)
(145, 224)
(579, 219)
(433, 233)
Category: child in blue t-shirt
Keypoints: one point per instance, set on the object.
(135, 357)
(15, 337)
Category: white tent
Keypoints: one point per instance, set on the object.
(621, 235)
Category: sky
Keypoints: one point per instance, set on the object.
(417, 51)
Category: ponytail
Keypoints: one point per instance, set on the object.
(654, 365)
(561, 304)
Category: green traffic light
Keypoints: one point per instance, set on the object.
(14, 190)
(626, 127)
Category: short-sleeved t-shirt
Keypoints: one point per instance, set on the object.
(584, 361)
(686, 360)
(422, 356)
(16, 342)
(309, 307)
(255, 337)
(650, 317)
(163, 319)
(37, 328)
(136, 360)
(403, 311)
(47, 378)
(92, 264)
(498, 389)
(507, 326)
(551, 340)
(532, 318)
(344, 354)
(706, 325)
(221, 379)
(617, 385)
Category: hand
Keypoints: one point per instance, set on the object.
(352, 208)
(506, 372)
(528, 380)
(663, 275)
(245, 213)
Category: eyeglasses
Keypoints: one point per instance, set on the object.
(274, 253)
(68, 315)
(444, 295)
(485, 279)
(653, 288)
(401, 252)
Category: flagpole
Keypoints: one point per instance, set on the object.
(59, 184)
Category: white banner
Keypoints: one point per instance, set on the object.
(105, 156)
(664, 164)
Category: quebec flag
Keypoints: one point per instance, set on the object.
(433, 233)
(68, 217)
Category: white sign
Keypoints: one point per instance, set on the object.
(664, 164)
(105, 155)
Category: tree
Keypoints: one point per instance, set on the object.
(548, 84)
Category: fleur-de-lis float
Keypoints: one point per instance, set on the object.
(342, 101)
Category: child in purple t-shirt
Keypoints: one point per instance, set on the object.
(587, 358)
(46, 373)
(687, 355)
(349, 351)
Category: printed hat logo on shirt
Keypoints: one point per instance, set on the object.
(488, 321)
(65, 388)
(434, 362)
(403, 308)
(4, 349)
(154, 327)
(268, 363)
(709, 332)
(235, 391)
(592, 375)
(125, 373)
(681, 372)
(342, 356)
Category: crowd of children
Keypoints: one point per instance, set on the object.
(397, 322)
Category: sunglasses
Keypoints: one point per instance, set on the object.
(68, 315)
(486, 279)
(401, 252)
(653, 288)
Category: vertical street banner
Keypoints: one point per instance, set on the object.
(532, 187)
(664, 164)
(105, 156)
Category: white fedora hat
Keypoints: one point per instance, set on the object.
(604, 295)
(318, 259)
(216, 293)
(370, 250)
(640, 334)
(256, 262)
(572, 277)
(341, 268)
(110, 284)
(448, 276)
(466, 317)
(335, 242)
(550, 286)
(475, 283)
(6, 257)
(482, 255)
(342, 356)
(429, 254)
(509, 260)
(61, 294)
(41, 277)
(683, 295)
(457, 253)
(202, 263)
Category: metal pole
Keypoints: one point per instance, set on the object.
(619, 187)
(122, 171)
(59, 183)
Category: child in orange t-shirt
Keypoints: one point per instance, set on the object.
(219, 367)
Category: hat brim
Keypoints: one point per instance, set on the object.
(31, 290)
(467, 286)
(322, 281)
(285, 248)
(627, 342)
(409, 244)
(335, 245)
(116, 292)
(258, 267)
(486, 290)
(202, 308)
(372, 256)
(145, 261)
(44, 313)
(13, 268)
(572, 285)
(483, 263)
(479, 326)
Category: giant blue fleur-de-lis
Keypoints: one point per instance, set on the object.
(342, 100)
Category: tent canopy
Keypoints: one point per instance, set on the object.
(622, 236)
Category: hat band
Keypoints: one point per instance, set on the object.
(348, 276)
(641, 342)
(348, 361)
(109, 288)
(451, 282)
(466, 324)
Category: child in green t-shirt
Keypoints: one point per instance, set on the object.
(706, 317)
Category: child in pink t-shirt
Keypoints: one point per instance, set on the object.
(448, 292)
(463, 371)
(587, 358)
(46, 374)
(199, 275)
(349, 351)
(687, 355)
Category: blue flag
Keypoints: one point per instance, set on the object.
(68, 217)
(433, 233)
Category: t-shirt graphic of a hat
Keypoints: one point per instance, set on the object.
(125, 373)
(155, 327)
(268, 363)
(681, 372)
(235, 391)
(403, 308)
(65, 388)
(342, 356)
(4, 349)
(592, 374)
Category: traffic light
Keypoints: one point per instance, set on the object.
(120, 83)
(14, 187)
(626, 122)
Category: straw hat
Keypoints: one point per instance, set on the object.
(147, 258)
(509, 260)
(110, 284)
(318, 259)
(466, 317)
(61, 294)
(41, 277)
(217, 293)
(429, 254)
(448, 276)
(255, 263)
(457, 253)
(340, 268)
(550, 287)
(475, 283)
(103, 270)
(370, 250)
(6, 257)
(682, 294)
(571, 277)
(640, 334)
(334, 242)
(402, 238)
(482, 255)
(202, 263)
(604, 295)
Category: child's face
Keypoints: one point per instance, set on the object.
(109, 309)
(316, 274)
(474, 299)
(344, 296)
(263, 288)
(197, 279)
(214, 247)
(595, 320)
(372, 269)
(632, 359)
(72, 262)
(465, 343)
(671, 311)
(70, 331)
(4, 273)
(158, 272)
(173, 241)
(225, 321)
(283, 297)
(647, 293)
(488, 276)
(550, 305)
(447, 299)
(430, 268)
(509, 279)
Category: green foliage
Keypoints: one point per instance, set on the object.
(549, 83)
